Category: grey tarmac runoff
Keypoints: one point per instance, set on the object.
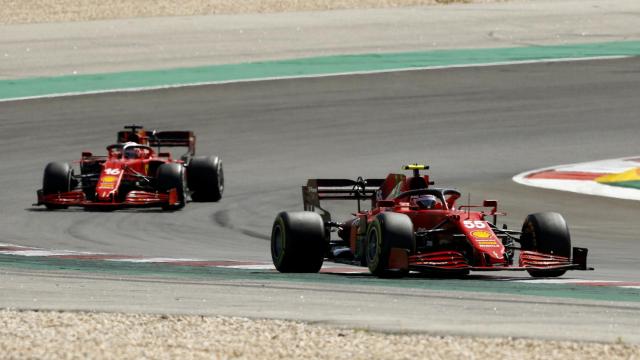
(477, 128)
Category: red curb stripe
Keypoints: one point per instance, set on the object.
(95, 257)
(565, 175)
(208, 263)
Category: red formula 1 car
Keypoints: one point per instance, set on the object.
(134, 174)
(414, 227)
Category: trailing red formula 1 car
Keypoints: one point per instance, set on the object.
(414, 227)
(133, 174)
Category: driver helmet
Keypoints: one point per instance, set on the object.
(131, 152)
(425, 201)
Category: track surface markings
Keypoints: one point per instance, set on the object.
(616, 178)
(46, 87)
(328, 267)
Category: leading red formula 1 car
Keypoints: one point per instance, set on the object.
(134, 174)
(412, 226)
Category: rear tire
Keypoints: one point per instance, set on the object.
(388, 230)
(205, 178)
(57, 179)
(547, 233)
(171, 176)
(298, 242)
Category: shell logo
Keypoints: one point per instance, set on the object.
(109, 179)
(481, 234)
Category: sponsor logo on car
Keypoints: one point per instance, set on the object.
(481, 234)
(487, 243)
(109, 179)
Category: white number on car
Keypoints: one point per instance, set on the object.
(469, 224)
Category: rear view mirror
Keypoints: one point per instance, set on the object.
(494, 211)
(386, 203)
(490, 203)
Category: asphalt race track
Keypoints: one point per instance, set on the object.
(476, 127)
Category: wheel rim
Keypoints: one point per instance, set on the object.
(184, 186)
(69, 177)
(278, 242)
(372, 244)
(220, 178)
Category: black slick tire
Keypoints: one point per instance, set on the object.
(547, 233)
(205, 178)
(57, 178)
(298, 242)
(171, 176)
(388, 230)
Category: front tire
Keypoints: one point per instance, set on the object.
(298, 242)
(388, 230)
(171, 176)
(205, 178)
(57, 178)
(547, 233)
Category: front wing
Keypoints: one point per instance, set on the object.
(134, 198)
(529, 260)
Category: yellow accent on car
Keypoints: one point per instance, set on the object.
(481, 234)
(414, 167)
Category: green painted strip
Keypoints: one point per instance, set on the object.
(36, 87)
(472, 283)
(627, 184)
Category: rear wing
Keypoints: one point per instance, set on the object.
(338, 189)
(160, 138)
(173, 138)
